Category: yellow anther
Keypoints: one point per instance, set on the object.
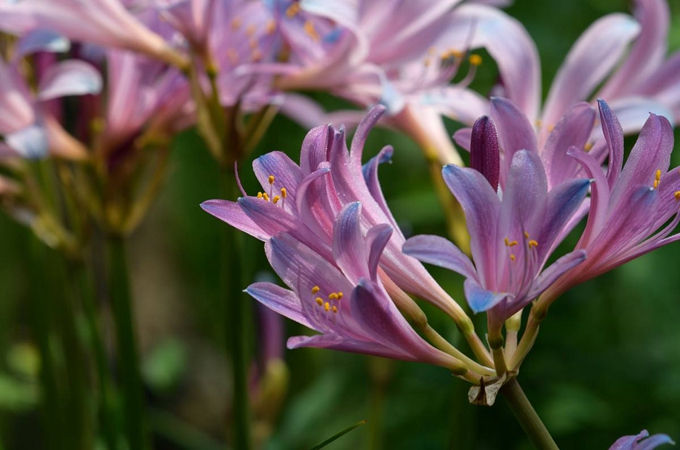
(271, 26)
(315, 289)
(236, 23)
(326, 306)
(475, 60)
(432, 50)
(276, 199)
(526, 234)
(293, 10)
(426, 63)
(319, 301)
(332, 296)
(457, 53)
(252, 43)
(339, 295)
(677, 196)
(265, 196)
(550, 128)
(510, 243)
(657, 178)
(250, 31)
(533, 243)
(259, 195)
(271, 179)
(512, 257)
(334, 309)
(588, 146)
(656, 184)
(539, 123)
(311, 31)
(256, 56)
(284, 193)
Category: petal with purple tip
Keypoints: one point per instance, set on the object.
(484, 151)
(231, 213)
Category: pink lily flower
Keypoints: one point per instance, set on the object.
(343, 298)
(305, 201)
(634, 207)
(512, 231)
(103, 22)
(642, 441)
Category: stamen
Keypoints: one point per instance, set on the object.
(539, 123)
(259, 195)
(293, 10)
(284, 193)
(271, 26)
(657, 179)
(232, 55)
(512, 258)
(475, 60)
(550, 128)
(526, 234)
(271, 179)
(276, 199)
(252, 43)
(334, 309)
(588, 146)
(332, 296)
(256, 56)
(315, 289)
(319, 301)
(326, 306)
(250, 31)
(265, 197)
(533, 243)
(236, 23)
(311, 31)
(677, 196)
(340, 293)
(510, 243)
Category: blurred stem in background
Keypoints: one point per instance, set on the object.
(82, 279)
(128, 359)
(381, 371)
(235, 319)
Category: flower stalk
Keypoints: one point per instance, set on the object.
(527, 417)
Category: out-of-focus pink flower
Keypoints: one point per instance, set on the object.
(27, 127)
(642, 441)
(511, 238)
(103, 22)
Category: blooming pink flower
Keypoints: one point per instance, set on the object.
(342, 297)
(642, 441)
(634, 207)
(511, 237)
(305, 201)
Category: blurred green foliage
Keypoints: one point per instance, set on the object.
(607, 361)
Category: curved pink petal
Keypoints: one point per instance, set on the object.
(349, 251)
(231, 213)
(482, 208)
(337, 342)
(589, 61)
(279, 300)
(440, 252)
(71, 77)
(376, 240)
(286, 174)
(514, 131)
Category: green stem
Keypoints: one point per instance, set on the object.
(81, 277)
(232, 294)
(54, 418)
(121, 302)
(526, 416)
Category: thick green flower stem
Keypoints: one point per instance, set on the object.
(526, 416)
(80, 276)
(536, 316)
(235, 319)
(54, 417)
(128, 359)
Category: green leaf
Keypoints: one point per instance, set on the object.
(338, 435)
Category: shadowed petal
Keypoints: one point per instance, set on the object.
(71, 77)
(337, 342)
(364, 128)
(440, 252)
(484, 151)
(376, 240)
(286, 173)
(349, 251)
(514, 130)
(613, 134)
(370, 171)
(30, 142)
(554, 271)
